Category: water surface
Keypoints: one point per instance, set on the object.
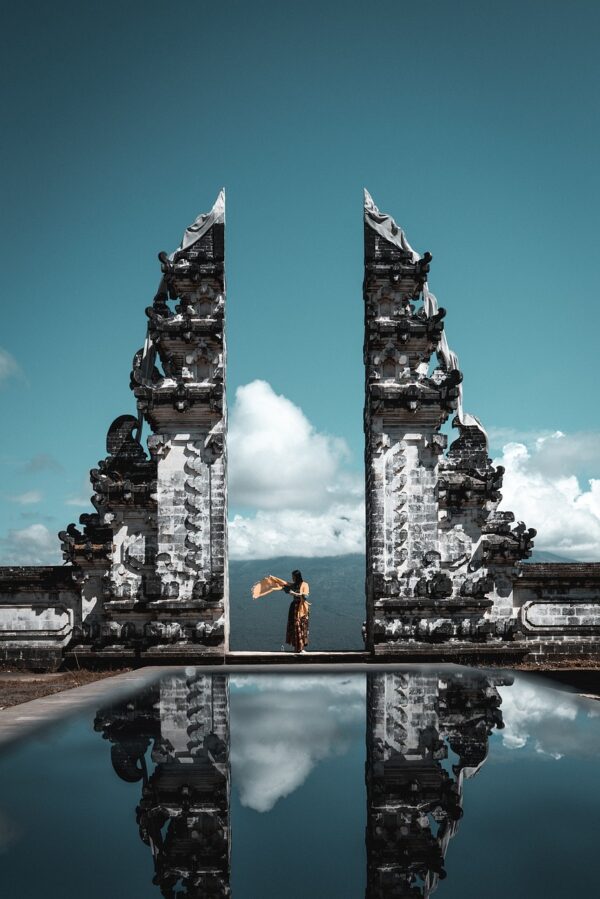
(456, 782)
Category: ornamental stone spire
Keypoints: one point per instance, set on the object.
(440, 559)
(152, 559)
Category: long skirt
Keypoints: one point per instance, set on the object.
(297, 625)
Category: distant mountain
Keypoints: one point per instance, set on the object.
(337, 594)
(539, 555)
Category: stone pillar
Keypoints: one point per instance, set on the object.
(182, 397)
(152, 560)
(441, 560)
(404, 409)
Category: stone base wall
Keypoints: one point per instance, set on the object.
(555, 615)
(40, 611)
(557, 611)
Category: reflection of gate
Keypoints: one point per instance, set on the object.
(174, 739)
(414, 799)
(183, 814)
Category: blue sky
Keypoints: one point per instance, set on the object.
(474, 123)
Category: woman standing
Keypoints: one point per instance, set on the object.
(297, 624)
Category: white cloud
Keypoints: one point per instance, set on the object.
(81, 498)
(499, 436)
(542, 488)
(334, 532)
(80, 501)
(306, 501)
(28, 498)
(277, 741)
(278, 460)
(9, 367)
(542, 720)
(42, 462)
(33, 545)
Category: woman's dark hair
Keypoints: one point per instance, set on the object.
(297, 576)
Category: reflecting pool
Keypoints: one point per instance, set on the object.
(461, 782)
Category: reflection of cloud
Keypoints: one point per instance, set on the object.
(9, 832)
(542, 720)
(276, 740)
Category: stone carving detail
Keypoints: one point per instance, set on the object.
(183, 813)
(153, 557)
(414, 798)
(114, 555)
(439, 554)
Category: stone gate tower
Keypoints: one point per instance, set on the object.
(152, 559)
(441, 560)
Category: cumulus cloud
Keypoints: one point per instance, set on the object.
(28, 498)
(41, 462)
(546, 721)
(79, 501)
(33, 545)
(305, 499)
(278, 459)
(499, 436)
(334, 532)
(277, 740)
(9, 367)
(542, 487)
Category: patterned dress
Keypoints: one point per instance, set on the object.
(297, 624)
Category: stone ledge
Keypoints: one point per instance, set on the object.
(22, 720)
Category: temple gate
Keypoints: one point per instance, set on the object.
(147, 572)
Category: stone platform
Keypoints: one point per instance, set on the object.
(461, 653)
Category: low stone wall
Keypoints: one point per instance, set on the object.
(558, 610)
(556, 615)
(39, 609)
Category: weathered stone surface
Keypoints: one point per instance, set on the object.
(39, 612)
(557, 606)
(433, 530)
(152, 560)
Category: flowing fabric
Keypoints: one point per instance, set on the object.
(267, 585)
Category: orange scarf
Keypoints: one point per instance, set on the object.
(270, 583)
(267, 585)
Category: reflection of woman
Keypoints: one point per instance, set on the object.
(297, 625)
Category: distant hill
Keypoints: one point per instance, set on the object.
(538, 555)
(337, 588)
